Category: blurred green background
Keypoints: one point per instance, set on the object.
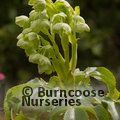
(100, 47)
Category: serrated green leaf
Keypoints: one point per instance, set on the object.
(78, 72)
(57, 111)
(104, 104)
(60, 27)
(117, 106)
(79, 28)
(92, 70)
(85, 101)
(78, 79)
(88, 109)
(113, 108)
(116, 94)
(79, 76)
(77, 10)
(88, 101)
(76, 114)
(22, 21)
(38, 81)
(101, 113)
(106, 73)
(40, 25)
(39, 5)
(35, 80)
(13, 99)
(108, 78)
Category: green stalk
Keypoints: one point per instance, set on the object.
(62, 66)
(56, 49)
(58, 62)
(73, 61)
(65, 46)
(60, 69)
(66, 52)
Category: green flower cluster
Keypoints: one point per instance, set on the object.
(49, 18)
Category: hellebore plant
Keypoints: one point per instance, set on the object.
(38, 38)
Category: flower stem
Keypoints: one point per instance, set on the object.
(73, 61)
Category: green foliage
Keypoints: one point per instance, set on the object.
(75, 114)
(113, 107)
(99, 73)
(21, 117)
(59, 18)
